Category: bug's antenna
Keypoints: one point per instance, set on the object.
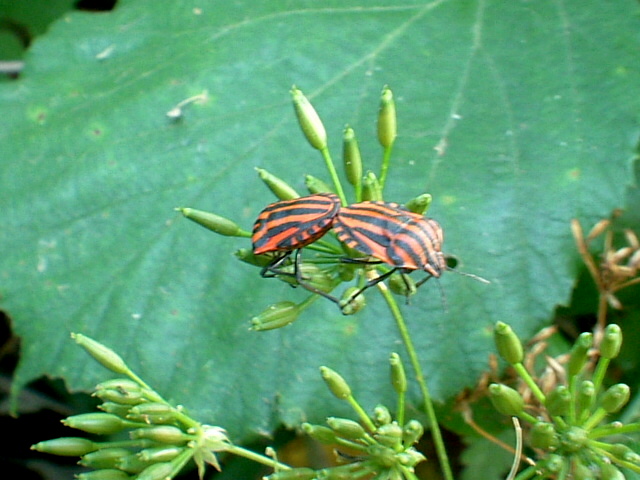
(470, 275)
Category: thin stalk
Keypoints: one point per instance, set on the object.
(420, 378)
(334, 175)
(526, 473)
(598, 375)
(401, 408)
(180, 461)
(524, 374)
(386, 159)
(614, 429)
(368, 423)
(256, 457)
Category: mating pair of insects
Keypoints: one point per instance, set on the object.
(388, 233)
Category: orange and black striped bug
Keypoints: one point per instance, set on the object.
(402, 239)
(287, 226)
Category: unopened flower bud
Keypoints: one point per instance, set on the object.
(586, 395)
(338, 385)
(345, 428)
(119, 384)
(346, 272)
(162, 434)
(320, 433)
(579, 352)
(122, 396)
(381, 415)
(159, 454)
(398, 375)
(115, 408)
(389, 435)
(66, 446)
(279, 187)
(351, 157)
(615, 397)
(152, 413)
(543, 435)
(301, 473)
(104, 474)
(402, 284)
(609, 471)
(309, 120)
(387, 125)
(246, 255)
(276, 316)
(104, 458)
(107, 357)
(558, 401)
(156, 471)
(215, 223)
(410, 458)
(505, 399)
(315, 185)
(508, 344)
(554, 463)
(382, 455)
(412, 432)
(152, 408)
(312, 274)
(574, 439)
(624, 453)
(349, 304)
(371, 189)
(582, 471)
(419, 204)
(98, 423)
(611, 342)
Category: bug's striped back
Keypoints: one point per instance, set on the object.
(291, 224)
(393, 235)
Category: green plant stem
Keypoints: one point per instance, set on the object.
(598, 374)
(361, 413)
(180, 461)
(358, 190)
(595, 418)
(603, 450)
(401, 408)
(529, 418)
(334, 175)
(386, 159)
(256, 457)
(420, 378)
(527, 473)
(607, 430)
(564, 470)
(524, 374)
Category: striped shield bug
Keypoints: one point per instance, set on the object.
(402, 239)
(287, 226)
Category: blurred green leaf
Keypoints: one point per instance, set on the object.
(21, 21)
(515, 116)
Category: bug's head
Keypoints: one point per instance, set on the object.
(436, 265)
(436, 262)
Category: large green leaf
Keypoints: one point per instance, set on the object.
(516, 116)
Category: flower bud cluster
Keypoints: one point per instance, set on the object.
(387, 450)
(161, 438)
(573, 421)
(378, 446)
